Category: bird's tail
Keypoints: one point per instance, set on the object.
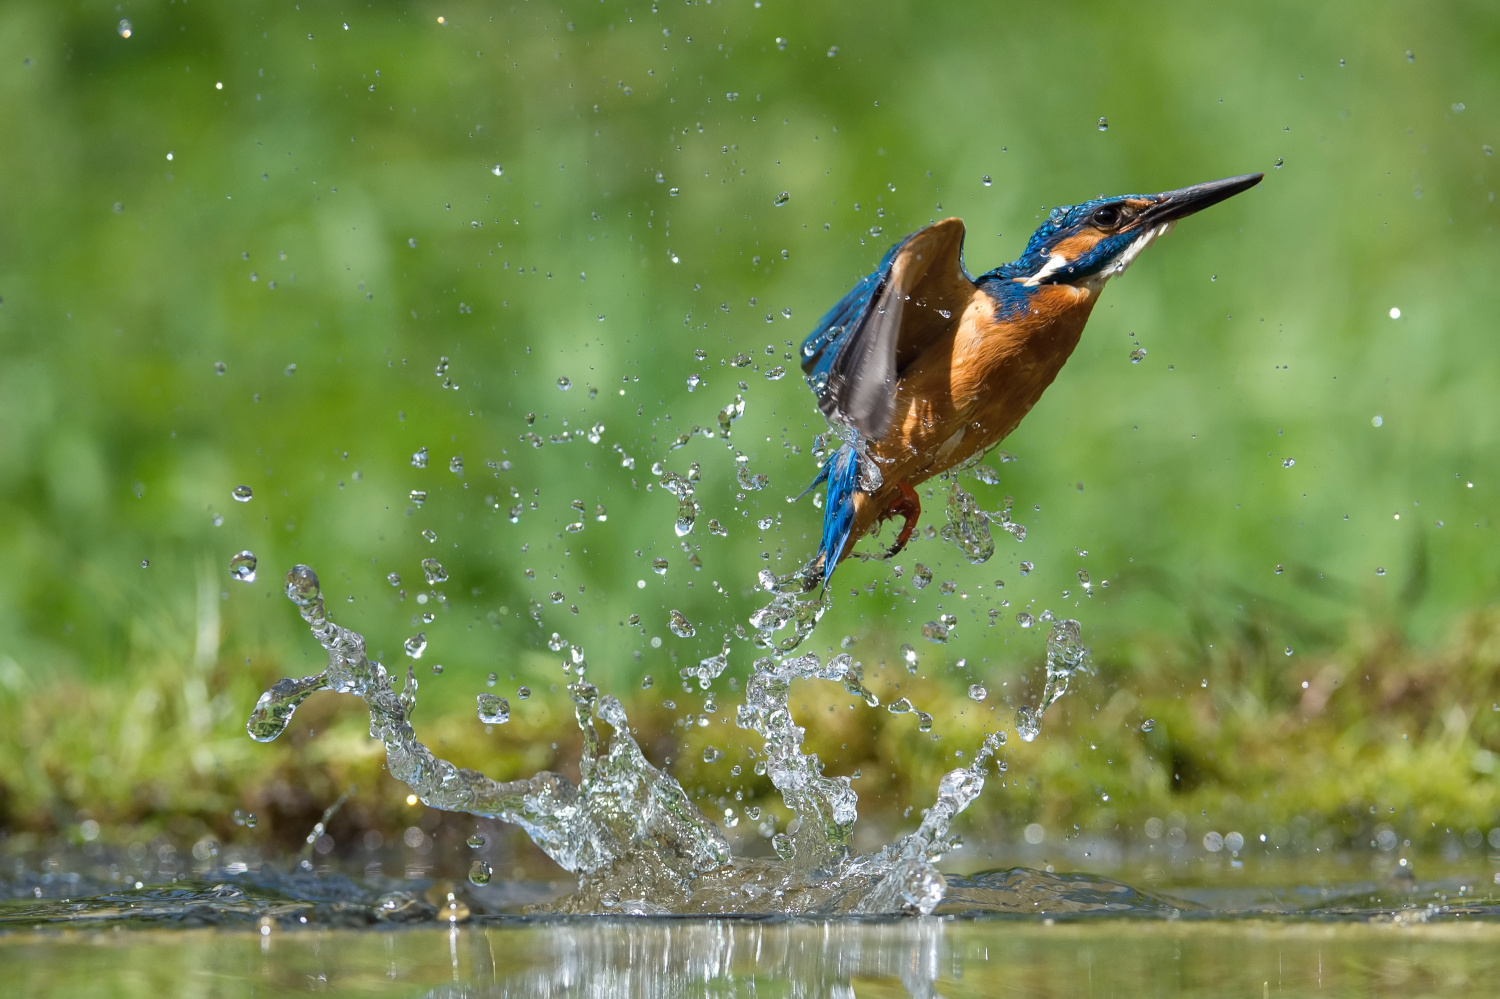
(838, 510)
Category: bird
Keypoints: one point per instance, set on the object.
(921, 367)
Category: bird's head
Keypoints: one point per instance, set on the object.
(1091, 242)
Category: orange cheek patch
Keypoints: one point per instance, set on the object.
(1076, 246)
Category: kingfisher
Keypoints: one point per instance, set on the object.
(921, 367)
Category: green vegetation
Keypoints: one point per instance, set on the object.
(1291, 488)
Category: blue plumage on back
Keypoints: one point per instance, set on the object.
(838, 507)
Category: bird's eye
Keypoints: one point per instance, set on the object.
(1106, 217)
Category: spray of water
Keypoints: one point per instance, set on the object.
(628, 830)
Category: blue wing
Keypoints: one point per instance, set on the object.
(854, 357)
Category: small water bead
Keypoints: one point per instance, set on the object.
(242, 567)
(935, 632)
(1380, 570)
(522, 693)
(1026, 568)
(456, 465)
(1027, 723)
(909, 656)
(220, 367)
(492, 679)
(681, 626)
(784, 196)
(921, 576)
(418, 497)
(564, 384)
(659, 566)
(124, 28)
(1288, 463)
(1148, 724)
(419, 458)
(437, 669)
(978, 691)
(924, 722)
(1288, 650)
(429, 534)
(1103, 124)
(557, 643)
(242, 494)
(416, 645)
(434, 571)
(1138, 355)
(776, 374)
(480, 873)
(493, 709)
(712, 754)
(985, 180)
(1278, 163)
(1025, 620)
(900, 706)
(647, 681)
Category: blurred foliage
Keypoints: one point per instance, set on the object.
(328, 203)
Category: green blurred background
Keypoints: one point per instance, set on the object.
(1290, 496)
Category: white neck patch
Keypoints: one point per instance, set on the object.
(1127, 256)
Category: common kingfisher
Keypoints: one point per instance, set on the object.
(921, 367)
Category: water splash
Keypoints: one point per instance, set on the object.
(1067, 657)
(628, 830)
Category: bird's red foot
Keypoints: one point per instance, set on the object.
(909, 508)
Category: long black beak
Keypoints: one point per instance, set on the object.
(1173, 205)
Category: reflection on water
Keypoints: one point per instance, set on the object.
(924, 956)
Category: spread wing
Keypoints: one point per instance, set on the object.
(859, 349)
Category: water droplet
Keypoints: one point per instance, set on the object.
(564, 384)
(781, 44)
(1138, 355)
(1395, 312)
(659, 566)
(776, 374)
(647, 681)
(220, 367)
(1288, 463)
(900, 706)
(419, 458)
(493, 709)
(1279, 570)
(475, 841)
(935, 632)
(784, 845)
(985, 180)
(1380, 570)
(712, 754)
(480, 873)
(909, 656)
(1278, 163)
(434, 571)
(978, 692)
(1103, 124)
(442, 366)
(1025, 620)
(242, 494)
(416, 645)
(1148, 724)
(833, 50)
(242, 567)
(693, 381)
(1288, 650)
(1458, 108)
(681, 626)
(921, 576)
(782, 199)
(456, 464)
(522, 693)
(429, 534)
(124, 27)
(1026, 568)
(1376, 420)
(1411, 56)
(1027, 723)
(418, 497)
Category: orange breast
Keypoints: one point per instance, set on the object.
(971, 387)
